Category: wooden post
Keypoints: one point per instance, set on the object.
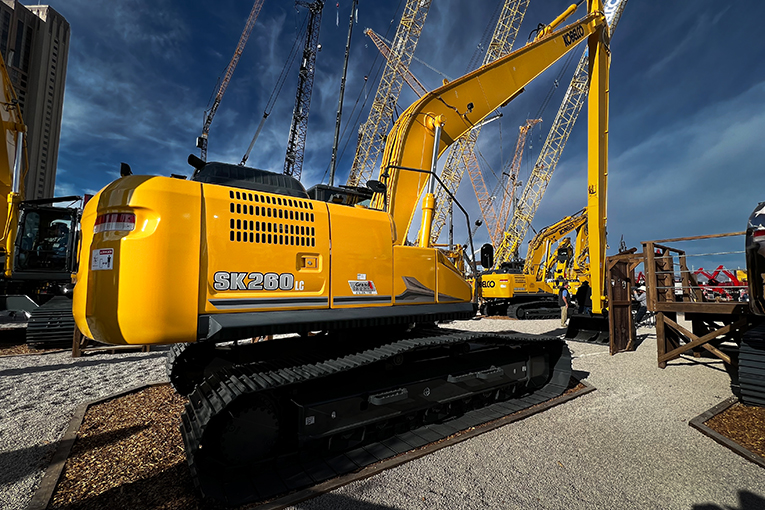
(621, 328)
(76, 346)
(650, 276)
(661, 340)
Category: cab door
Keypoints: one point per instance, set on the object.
(45, 242)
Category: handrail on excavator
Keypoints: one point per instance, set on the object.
(385, 175)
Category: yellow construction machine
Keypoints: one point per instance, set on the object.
(751, 357)
(238, 253)
(37, 242)
(527, 289)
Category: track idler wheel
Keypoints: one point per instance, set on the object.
(249, 430)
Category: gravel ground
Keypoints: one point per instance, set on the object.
(38, 396)
(626, 445)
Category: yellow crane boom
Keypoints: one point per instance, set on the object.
(552, 149)
(461, 156)
(372, 132)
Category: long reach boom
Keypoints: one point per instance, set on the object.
(465, 102)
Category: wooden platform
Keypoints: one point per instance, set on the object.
(712, 322)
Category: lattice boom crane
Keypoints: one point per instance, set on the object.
(293, 161)
(507, 191)
(373, 131)
(406, 74)
(209, 114)
(461, 157)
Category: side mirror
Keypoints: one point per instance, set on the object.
(487, 256)
(376, 186)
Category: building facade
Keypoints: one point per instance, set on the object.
(34, 42)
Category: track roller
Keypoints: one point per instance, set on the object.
(251, 434)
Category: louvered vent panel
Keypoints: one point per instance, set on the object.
(267, 219)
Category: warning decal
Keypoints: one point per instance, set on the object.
(103, 259)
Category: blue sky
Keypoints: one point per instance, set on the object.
(687, 102)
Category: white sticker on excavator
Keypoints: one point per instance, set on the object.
(362, 287)
(102, 259)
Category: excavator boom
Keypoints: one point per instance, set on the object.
(462, 104)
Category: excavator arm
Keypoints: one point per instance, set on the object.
(549, 236)
(463, 103)
(597, 164)
(11, 160)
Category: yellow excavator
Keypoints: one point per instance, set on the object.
(37, 242)
(238, 253)
(528, 289)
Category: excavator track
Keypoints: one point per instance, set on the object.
(751, 366)
(52, 324)
(534, 310)
(259, 430)
(185, 365)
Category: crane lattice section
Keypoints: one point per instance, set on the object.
(461, 157)
(372, 132)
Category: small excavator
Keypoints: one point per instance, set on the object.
(37, 242)
(237, 253)
(528, 289)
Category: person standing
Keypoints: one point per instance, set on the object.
(640, 297)
(583, 297)
(564, 297)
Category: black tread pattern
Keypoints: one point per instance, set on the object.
(177, 367)
(52, 324)
(535, 310)
(751, 366)
(290, 471)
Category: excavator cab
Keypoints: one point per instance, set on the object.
(45, 242)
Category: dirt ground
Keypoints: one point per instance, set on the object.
(129, 453)
(13, 349)
(742, 424)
